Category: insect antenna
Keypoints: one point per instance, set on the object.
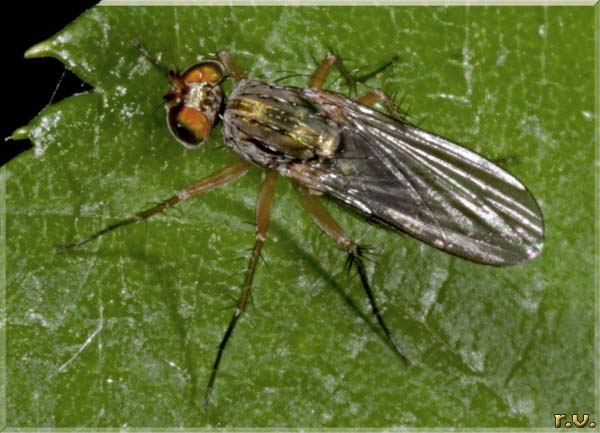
(137, 44)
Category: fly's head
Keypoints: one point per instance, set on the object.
(194, 103)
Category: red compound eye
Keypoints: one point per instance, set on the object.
(203, 72)
(189, 125)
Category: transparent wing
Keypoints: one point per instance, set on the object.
(422, 184)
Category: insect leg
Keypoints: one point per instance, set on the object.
(317, 79)
(371, 98)
(263, 212)
(327, 224)
(364, 77)
(217, 179)
(232, 67)
(344, 72)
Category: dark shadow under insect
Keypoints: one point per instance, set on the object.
(379, 165)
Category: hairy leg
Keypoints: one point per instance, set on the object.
(263, 211)
(317, 79)
(215, 180)
(234, 70)
(371, 98)
(328, 225)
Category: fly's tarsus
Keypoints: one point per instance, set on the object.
(329, 226)
(96, 235)
(362, 251)
(263, 213)
(355, 258)
(217, 179)
(140, 216)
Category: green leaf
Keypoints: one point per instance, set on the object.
(123, 331)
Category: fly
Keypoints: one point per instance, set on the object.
(379, 165)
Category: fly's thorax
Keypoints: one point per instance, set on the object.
(194, 103)
(267, 122)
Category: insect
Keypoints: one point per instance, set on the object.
(376, 163)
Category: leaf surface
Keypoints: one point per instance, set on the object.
(123, 331)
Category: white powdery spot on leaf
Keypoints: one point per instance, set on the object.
(357, 345)
(121, 90)
(427, 300)
(542, 30)
(42, 134)
(473, 359)
(523, 406)
(35, 317)
(128, 111)
(429, 297)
